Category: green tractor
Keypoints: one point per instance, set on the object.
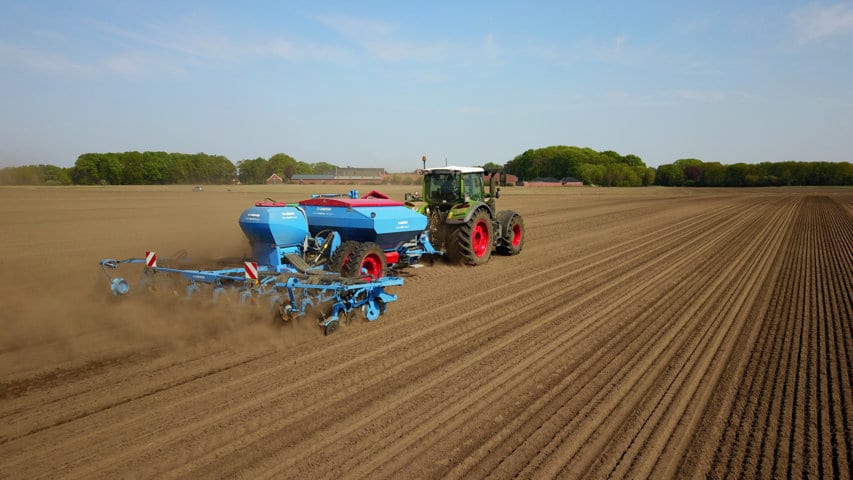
(463, 220)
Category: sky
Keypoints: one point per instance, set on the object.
(381, 83)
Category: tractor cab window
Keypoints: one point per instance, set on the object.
(473, 186)
(442, 187)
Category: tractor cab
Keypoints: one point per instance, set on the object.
(449, 186)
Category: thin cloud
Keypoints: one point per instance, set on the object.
(703, 96)
(490, 47)
(138, 63)
(382, 40)
(124, 63)
(210, 43)
(359, 27)
(15, 55)
(689, 25)
(614, 50)
(817, 22)
(472, 110)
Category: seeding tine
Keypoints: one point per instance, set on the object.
(217, 292)
(119, 286)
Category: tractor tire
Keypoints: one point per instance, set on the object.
(512, 233)
(367, 262)
(341, 257)
(472, 244)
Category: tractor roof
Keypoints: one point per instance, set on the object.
(451, 168)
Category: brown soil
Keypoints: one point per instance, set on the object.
(642, 333)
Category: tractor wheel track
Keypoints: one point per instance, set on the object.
(187, 392)
(631, 354)
(380, 370)
(661, 369)
(792, 418)
(535, 352)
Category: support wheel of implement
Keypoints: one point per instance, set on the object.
(331, 327)
(373, 309)
(473, 242)
(512, 233)
(367, 262)
(341, 257)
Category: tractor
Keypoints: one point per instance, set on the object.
(463, 221)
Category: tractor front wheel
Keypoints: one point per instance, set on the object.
(473, 242)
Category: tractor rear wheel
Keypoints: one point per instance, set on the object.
(512, 233)
(341, 257)
(473, 242)
(367, 262)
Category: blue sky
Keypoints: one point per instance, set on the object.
(382, 83)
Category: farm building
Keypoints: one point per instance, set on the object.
(553, 182)
(360, 173)
(543, 182)
(506, 179)
(313, 178)
(274, 180)
(344, 175)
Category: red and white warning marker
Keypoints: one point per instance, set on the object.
(251, 270)
(151, 259)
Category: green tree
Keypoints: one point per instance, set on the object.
(53, 175)
(713, 174)
(649, 176)
(670, 175)
(492, 167)
(323, 168)
(561, 161)
(252, 171)
(155, 168)
(85, 170)
(281, 164)
(131, 166)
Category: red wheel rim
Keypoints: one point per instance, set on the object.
(480, 238)
(344, 263)
(372, 266)
(516, 235)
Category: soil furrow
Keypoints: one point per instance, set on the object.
(614, 399)
(666, 396)
(805, 444)
(664, 333)
(693, 222)
(309, 453)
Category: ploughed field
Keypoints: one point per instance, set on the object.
(642, 333)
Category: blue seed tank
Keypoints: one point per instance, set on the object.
(383, 221)
(274, 229)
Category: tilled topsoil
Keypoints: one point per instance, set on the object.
(641, 333)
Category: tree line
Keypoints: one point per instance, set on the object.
(607, 168)
(283, 165)
(35, 175)
(160, 168)
(694, 172)
(150, 168)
